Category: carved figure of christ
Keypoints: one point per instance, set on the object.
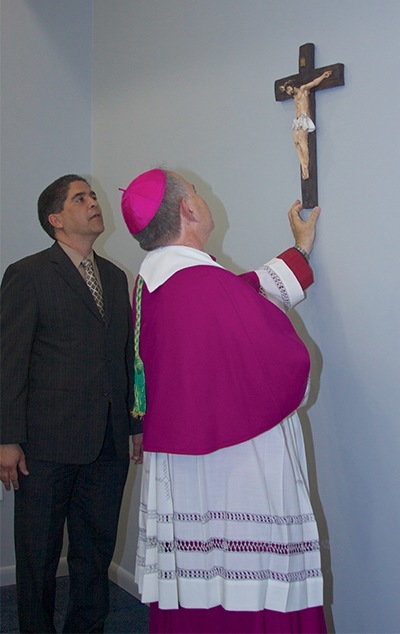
(301, 88)
(303, 124)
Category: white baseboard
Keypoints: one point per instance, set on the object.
(124, 579)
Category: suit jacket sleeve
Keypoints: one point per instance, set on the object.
(19, 316)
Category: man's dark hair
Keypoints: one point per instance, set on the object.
(52, 199)
(165, 227)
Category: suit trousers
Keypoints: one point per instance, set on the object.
(89, 498)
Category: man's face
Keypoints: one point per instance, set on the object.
(81, 215)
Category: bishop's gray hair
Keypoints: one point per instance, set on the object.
(165, 227)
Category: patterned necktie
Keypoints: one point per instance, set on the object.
(93, 285)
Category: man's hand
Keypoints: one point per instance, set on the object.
(303, 230)
(12, 458)
(137, 448)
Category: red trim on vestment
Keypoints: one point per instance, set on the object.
(299, 265)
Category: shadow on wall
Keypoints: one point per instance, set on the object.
(215, 242)
(316, 371)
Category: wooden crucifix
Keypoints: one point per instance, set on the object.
(301, 89)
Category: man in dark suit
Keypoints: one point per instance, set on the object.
(66, 398)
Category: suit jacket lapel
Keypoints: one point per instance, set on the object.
(72, 277)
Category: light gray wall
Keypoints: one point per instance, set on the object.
(190, 83)
(46, 110)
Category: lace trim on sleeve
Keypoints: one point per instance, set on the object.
(280, 286)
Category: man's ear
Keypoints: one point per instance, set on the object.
(56, 221)
(186, 213)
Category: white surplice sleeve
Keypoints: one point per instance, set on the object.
(279, 284)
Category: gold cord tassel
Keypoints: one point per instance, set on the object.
(139, 389)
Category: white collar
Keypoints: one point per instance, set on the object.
(161, 264)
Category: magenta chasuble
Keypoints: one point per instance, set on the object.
(222, 363)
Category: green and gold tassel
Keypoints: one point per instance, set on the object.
(139, 389)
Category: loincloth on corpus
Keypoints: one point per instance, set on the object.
(303, 122)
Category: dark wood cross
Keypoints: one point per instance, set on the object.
(307, 73)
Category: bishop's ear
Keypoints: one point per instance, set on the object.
(186, 212)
